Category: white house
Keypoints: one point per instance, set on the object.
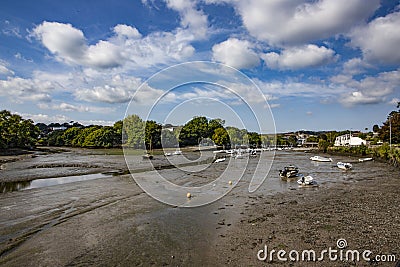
(349, 140)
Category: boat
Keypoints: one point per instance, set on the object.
(147, 156)
(177, 152)
(168, 154)
(365, 159)
(290, 171)
(307, 181)
(320, 159)
(344, 165)
(220, 160)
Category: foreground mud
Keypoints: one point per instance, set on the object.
(111, 221)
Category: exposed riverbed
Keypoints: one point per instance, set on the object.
(111, 221)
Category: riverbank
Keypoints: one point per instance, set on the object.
(111, 221)
(384, 152)
(365, 213)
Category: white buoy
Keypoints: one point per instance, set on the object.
(188, 195)
(230, 182)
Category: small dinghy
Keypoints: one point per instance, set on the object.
(344, 165)
(220, 160)
(365, 159)
(307, 181)
(290, 171)
(147, 156)
(321, 159)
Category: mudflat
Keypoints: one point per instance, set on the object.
(111, 221)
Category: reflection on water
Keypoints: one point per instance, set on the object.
(13, 186)
(18, 186)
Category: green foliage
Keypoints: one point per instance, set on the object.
(103, 137)
(70, 134)
(221, 137)
(152, 135)
(16, 132)
(133, 131)
(237, 136)
(193, 131)
(254, 139)
(323, 145)
(55, 138)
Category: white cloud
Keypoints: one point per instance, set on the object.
(394, 101)
(71, 107)
(20, 90)
(11, 30)
(127, 31)
(299, 57)
(379, 40)
(4, 69)
(371, 90)
(44, 118)
(299, 22)
(68, 44)
(236, 53)
(193, 21)
(127, 46)
(355, 66)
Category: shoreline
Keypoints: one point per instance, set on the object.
(365, 213)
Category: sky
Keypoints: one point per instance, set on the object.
(266, 65)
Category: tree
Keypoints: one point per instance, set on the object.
(393, 122)
(152, 135)
(254, 139)
(16, 132)
(70, 135)
(213, 125)
(221, 137)
(101, 137)
(375, 128)
(193, 131)
(133, 131)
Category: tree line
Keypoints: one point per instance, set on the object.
(16, 132)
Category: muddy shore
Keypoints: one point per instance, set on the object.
(109, 222)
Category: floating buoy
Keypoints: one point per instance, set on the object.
(188, 195)
(230, 182)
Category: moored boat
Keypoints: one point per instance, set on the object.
(344, 165)
(290, 171)
(365, 159)
(320, 159)
(307, 181)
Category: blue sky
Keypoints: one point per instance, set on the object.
(320, 65)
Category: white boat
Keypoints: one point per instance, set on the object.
(168, 154)
(178, 152)
(344, 165)
(220, 160)
(365, 159)
(320, 159)
(307, 181)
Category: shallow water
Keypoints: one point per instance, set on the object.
(39, 183)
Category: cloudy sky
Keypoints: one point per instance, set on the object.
(320, 65)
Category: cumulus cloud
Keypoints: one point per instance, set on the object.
(193, 21)
(20, 90)
(355, 66)
(69, 45)
(236, 53)
(301, 22)
(379, 40)
(299, 57)
(371, 90)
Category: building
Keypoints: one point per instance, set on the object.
(349, 140)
